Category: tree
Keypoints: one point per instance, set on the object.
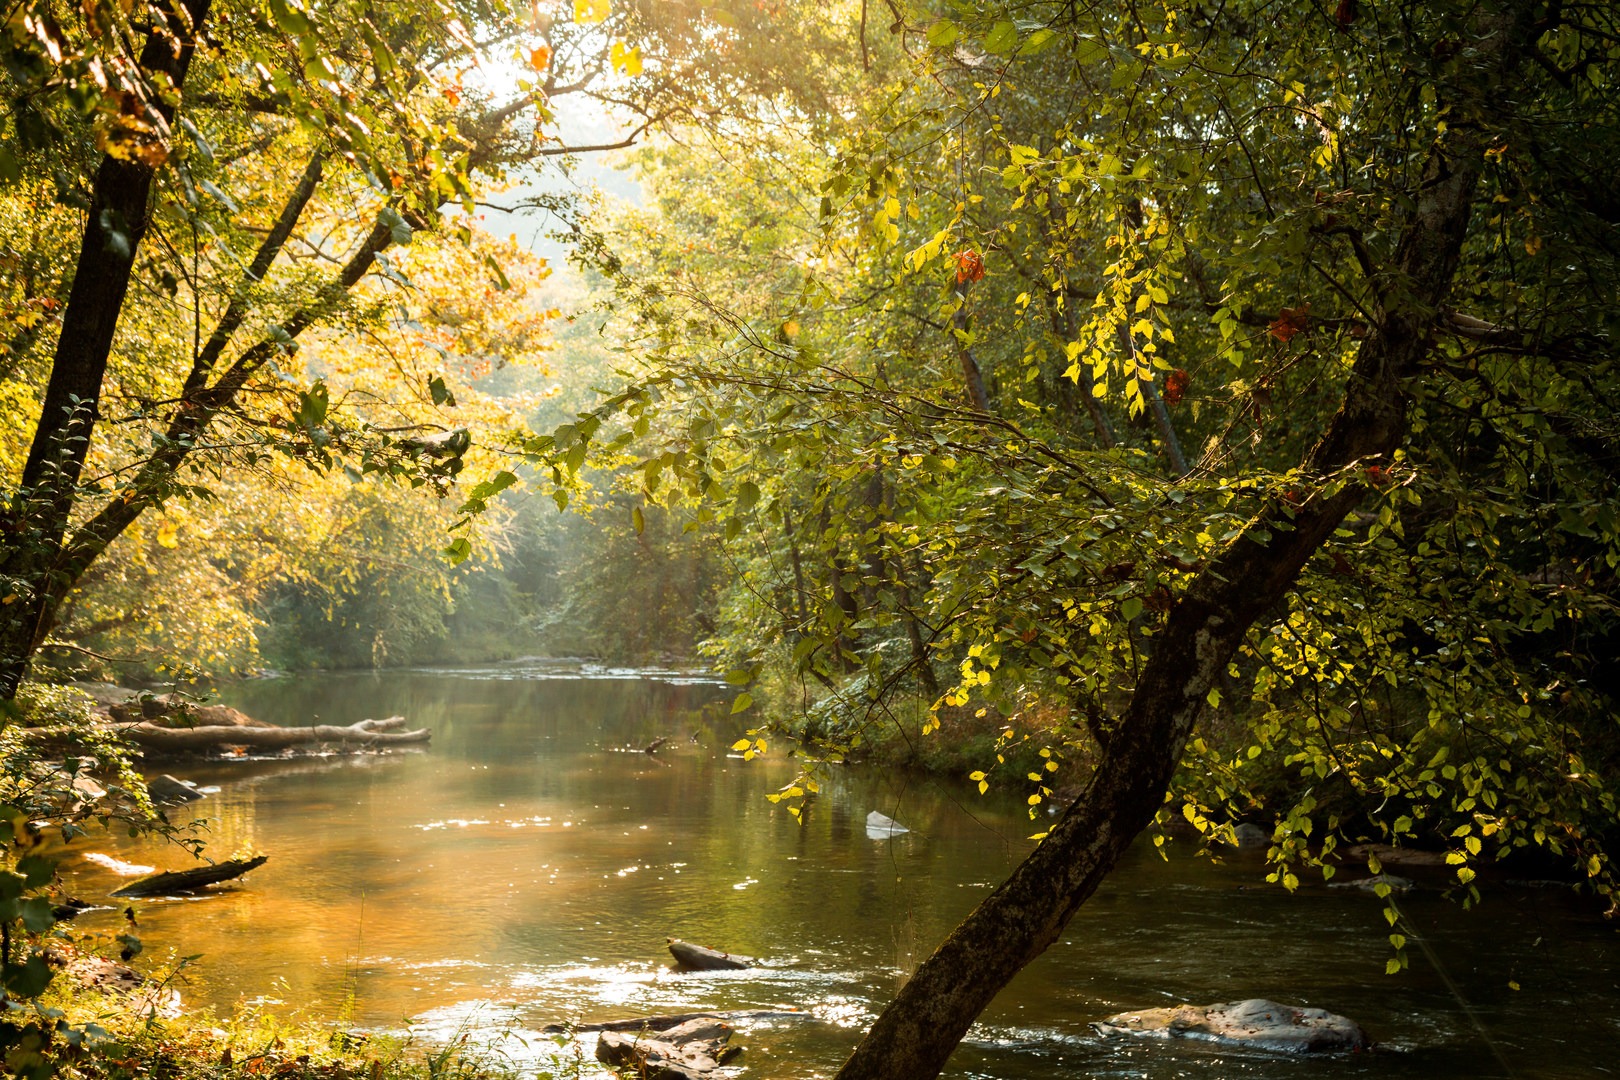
(199, 265)
(1370, 254)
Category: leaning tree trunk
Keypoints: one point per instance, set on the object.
(917, 1033)
(114, 224)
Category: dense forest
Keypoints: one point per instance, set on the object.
(1169, 411)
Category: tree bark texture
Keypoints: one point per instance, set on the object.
(916, 1034)
(114, 225)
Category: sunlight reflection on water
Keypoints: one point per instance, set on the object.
(519, 874)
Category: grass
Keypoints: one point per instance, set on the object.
(82, 1034)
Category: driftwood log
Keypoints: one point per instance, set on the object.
(171, 882)
(195, 740)
(669, 1020)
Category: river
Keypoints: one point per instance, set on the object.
(528, 867)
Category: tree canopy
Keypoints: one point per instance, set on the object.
(1215, 403)
(1219, 399)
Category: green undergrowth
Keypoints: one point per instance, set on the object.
(82, 1034)
(900, 731)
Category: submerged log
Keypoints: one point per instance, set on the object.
(691, 957)
(169, 883)
(670, 1020)
(197, 740)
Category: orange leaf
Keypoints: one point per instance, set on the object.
(540, 57)
(1291, 321)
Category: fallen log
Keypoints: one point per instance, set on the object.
(210, 737)
(670, 1020)
(168, 883)
(691, 957)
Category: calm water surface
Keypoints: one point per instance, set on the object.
(527, 868)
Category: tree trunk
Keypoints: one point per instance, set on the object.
(972, 374)
(114, 225)
(917, 1033)
(199, 740)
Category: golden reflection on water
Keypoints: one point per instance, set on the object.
(524, 870)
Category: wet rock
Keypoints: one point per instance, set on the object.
(687, 1051)
(1255, 1023)
(691, 957)
(1393, 856)
(170, 789)
(1249, 836)
(1370, 884)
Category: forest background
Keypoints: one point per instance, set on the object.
(1191, 410)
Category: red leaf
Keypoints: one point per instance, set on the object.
(1291, 321)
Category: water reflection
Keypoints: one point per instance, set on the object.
(525, 870)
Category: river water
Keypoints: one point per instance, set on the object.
(528, 867)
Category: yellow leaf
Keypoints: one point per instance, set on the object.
(166, 535)
(590, 11)
(625, 58)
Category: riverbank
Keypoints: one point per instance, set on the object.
(91, 1035)
(526, 870)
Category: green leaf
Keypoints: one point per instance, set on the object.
(1038, 42)
(1002, 38)
(943, 34)
(441, 393)
(458, 551)
(637, 520)
(1087, 51)
(502, 282)
(744, 700)
(290, 19)
(36, 914)
(1130, 608)
(28, 979)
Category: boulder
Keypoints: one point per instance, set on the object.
(1396, 883)
(688, 1051)
(171, 789)
(1256, 1023)
(180, 711)
(1248, 836)
(691, 957)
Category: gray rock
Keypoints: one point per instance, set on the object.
(1255, 1023)
(105, 693)
(1250, 836)
(1396, 883)
(688, 1051)
(168, 789)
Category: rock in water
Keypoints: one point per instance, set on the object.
(698, 958)
(882, 827)
(1255, 1023)
(169, 789)
(687, 1052)
(1248, 836)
